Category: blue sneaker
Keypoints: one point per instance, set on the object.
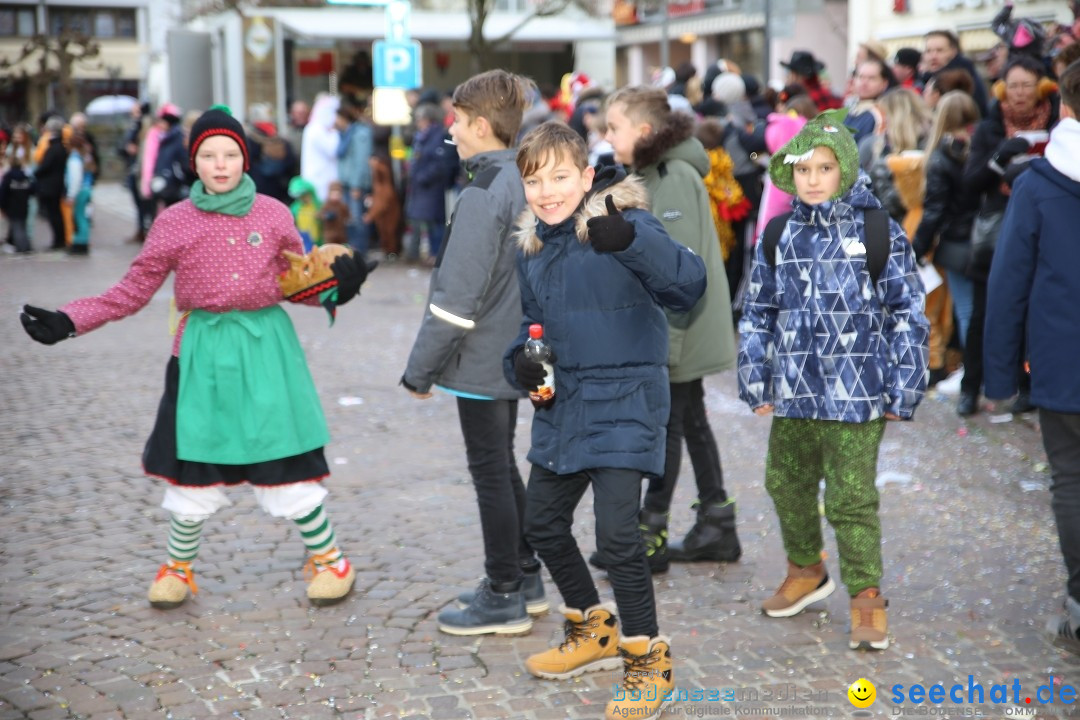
(489, 613)
(1065, 631)
(532, 586)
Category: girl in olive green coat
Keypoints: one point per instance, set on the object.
(660, 146)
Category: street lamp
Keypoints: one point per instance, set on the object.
(767, 54)
(665, 58)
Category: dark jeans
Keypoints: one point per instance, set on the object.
(357, 232)
(688, 419)
(17, 234)
(144, 213)
(973, 347)
(50, 208)
(488, 429)
(1061, 438)
(549, 524)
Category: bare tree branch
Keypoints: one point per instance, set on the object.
(547, 9)
(480, 46)
(56, 60)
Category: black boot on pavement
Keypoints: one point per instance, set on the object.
(712, 538)
(494, 610)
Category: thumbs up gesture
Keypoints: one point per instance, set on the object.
(611, 232)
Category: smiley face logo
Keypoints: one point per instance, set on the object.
(862, 693)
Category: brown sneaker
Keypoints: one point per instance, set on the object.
(647, 679)
(592, 643)
(802, 586)
(869, 624)
(170, 587)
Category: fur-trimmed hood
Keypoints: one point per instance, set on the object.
(651, 150)
(626, 191)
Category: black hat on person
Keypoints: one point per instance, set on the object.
(218, 120)
(908, 57)
(804, 63)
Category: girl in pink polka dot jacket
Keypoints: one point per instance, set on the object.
(239, 404)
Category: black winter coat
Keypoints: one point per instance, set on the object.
(50, 171)
(980, 178)
(949, 208)
(16, 187)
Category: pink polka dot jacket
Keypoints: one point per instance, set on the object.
(221, 262)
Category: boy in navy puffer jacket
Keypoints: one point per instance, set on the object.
(833, 354)
(595, 270)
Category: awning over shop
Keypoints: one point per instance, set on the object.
(705, 24)
(336, 23)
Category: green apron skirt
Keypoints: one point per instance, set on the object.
(245, 395)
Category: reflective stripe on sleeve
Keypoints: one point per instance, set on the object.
(451, 318)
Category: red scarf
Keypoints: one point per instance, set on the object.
(1035, 119)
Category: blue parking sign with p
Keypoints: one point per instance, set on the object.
(396, 65)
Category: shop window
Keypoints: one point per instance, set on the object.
(104, 25)
(100, 23)
(17, 22)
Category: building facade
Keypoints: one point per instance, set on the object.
(756, 34)
(274, 54)
(129, 35)
(903, 23)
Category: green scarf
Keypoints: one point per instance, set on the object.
(237, 201)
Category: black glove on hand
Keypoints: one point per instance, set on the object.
(611, 232)
(46, 326)
(1007, 150)
(529, 374)
(350, 273)
(1014, 171)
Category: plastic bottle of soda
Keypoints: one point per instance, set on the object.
(537, 350)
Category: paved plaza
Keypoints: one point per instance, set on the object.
(972, 566)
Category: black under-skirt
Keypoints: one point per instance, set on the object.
(159, 456)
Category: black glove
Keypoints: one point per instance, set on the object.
(529, 373)
(1007, 150)
(1014, 171)
(350, 273)
(46, 326)
(611, 232)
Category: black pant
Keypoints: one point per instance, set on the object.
(688, 419)
(1061, 438)
(549, 524)
(973, 347)
(488, 429)
(143, 211)
(50, 207)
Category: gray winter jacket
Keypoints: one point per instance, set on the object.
(474, 304)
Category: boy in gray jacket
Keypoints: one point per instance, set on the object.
(474, 309)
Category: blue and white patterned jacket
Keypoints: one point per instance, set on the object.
(816, 341)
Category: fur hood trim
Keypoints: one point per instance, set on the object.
(629, 193)
(651, 150)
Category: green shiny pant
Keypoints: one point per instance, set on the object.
(801, 453)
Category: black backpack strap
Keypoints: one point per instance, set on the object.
(878, 242)
(771, 237)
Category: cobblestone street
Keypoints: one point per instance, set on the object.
(972, 565)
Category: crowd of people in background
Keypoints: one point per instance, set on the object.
(941, 135)
(671, 185)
